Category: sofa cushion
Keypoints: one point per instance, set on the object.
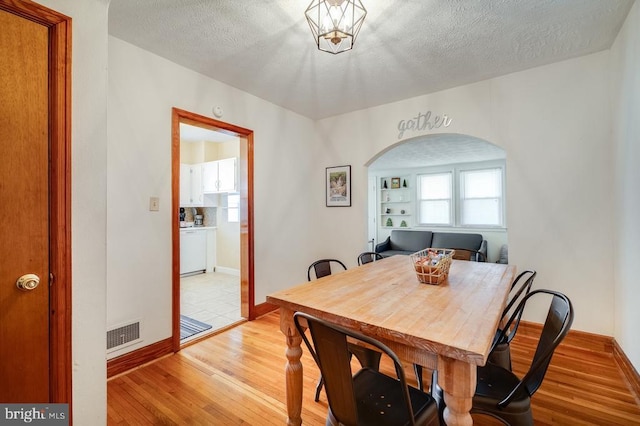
(388, 253)
(412, 241)
(456, 240)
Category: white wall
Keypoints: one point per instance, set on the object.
(625, 87)
(88, 203)
(554, 124)
(142, 90)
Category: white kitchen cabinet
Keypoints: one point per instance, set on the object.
(196, 185)
(191, 185)
(210, 177)
(219, 176)
(227, 175)
(185, 184)
(193, 250)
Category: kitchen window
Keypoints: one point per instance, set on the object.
(233, 208)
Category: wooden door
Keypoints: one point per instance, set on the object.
(24, 209)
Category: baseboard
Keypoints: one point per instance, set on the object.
(597, 343)
(159, 349)
(577, 338)
(630, 373)
(139, 357)
(264, 308)
(226, 270)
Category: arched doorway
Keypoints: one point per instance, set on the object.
(402, 166)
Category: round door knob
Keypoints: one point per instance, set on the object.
(28, 282)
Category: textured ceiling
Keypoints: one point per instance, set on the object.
(406, 48)
(436, 150)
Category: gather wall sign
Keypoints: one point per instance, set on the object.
(423, 121)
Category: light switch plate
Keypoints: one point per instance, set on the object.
(154, 204)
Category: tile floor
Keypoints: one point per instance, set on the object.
(212, 298)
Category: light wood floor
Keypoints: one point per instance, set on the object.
(237, 378)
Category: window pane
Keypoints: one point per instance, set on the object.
(481, 197)
(484, 211)
(233, 215)
(233, 211)
(435, 212)
(233, 200)
(482, 183)
(435, 198)
(435, 187)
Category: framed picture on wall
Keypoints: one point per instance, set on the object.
(395, 183)
(338, 184)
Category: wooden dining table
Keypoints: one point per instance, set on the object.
(448, 327)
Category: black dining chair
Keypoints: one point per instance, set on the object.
(367, 357)
(368, 257)
(468, 254)
(501, 353)
(322, 268)
(499, 392)
(367, 397)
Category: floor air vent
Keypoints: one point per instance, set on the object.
(122, 336)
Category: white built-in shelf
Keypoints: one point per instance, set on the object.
(395, 199)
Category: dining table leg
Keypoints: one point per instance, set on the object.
(458, 382)
(293, 368)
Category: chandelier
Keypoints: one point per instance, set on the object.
(335, 23)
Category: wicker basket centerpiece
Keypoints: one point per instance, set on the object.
(432, 264)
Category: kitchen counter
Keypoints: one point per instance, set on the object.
(191, 228)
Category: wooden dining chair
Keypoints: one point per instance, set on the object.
(501, 353)
(468, 254)
(367, 397)
(499, 392)
(368, 257)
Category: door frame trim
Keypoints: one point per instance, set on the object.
(60, 354)
(245, 187)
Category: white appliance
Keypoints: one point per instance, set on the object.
(193, 250)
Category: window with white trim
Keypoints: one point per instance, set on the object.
(465, 195)
(233, 208)
(481, 197)
(434, 198)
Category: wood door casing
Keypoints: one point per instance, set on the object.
(245, 188)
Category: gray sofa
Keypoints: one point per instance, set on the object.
(406, 242)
